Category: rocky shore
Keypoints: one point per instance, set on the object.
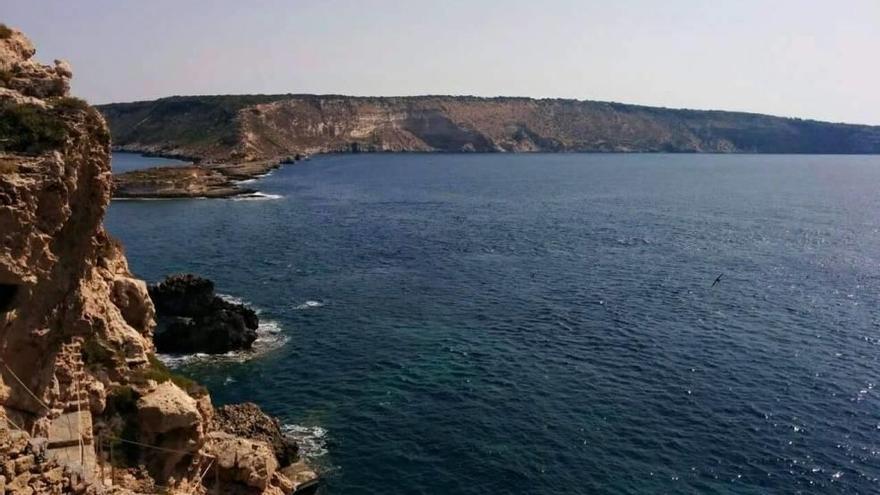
(217, 180)
(244, 134)
(85, 406)
(192, 319)
(176, 182)
(239, 136)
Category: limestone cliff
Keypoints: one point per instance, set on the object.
(77, 374)
(247, 128)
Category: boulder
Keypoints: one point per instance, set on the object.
(240, 460)
(183, 295)
(169, 419)
(248, 420)
(191, 318)
(167, 408)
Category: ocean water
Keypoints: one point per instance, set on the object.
(126, 162)
(546, 323)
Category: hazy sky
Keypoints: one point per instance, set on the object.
(806, 58)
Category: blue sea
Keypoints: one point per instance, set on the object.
(126, 162)
(547, 323)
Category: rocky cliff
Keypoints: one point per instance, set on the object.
(247, 128)
(83, 401)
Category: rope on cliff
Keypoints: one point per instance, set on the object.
(199, 481)
(164, 449)
(78, 417)
(40, 402)
(12, 423)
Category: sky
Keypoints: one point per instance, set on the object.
(801, 58)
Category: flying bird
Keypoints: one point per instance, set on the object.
(718, 279)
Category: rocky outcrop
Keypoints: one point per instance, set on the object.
(77, 370)
(248, 128)
(193, 319)
(69, 278)
(169, 418)
(244, 136)
(248, 420)
(177, 182)
(24, 469)
(240, 460)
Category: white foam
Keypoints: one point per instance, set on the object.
(269, 338)
(309, 304)
(312, 440)
(257, 196)
(230, 298)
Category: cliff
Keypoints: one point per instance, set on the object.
(248, 128)
(77, 371)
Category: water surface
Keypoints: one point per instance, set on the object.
(126, 162)
(546, 323)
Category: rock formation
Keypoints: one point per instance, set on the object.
(247, 420)
(235, 137)
(177, 182)
(241, 129)
(77, 371)
(193, 319)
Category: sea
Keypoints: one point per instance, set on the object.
(126, 162)
(549, 323)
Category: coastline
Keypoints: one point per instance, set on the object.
(197, 180)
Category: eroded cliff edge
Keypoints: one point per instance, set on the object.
(84, 405)
(241, 136)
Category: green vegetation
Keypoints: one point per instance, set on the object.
(70, 104)
(96, 354)
(26, 128)
(122, 402)
(5, 32)
(158, 372)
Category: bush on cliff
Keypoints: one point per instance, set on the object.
(5, 32)
(28, 128)
(160, 373)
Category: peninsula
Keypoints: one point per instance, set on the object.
(237, 137)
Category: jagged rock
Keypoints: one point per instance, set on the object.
(131, 297)
(169, 419)
(300, 475)
(165, 409)
(241, 460)
(74, 323)
(248, 420)
(57, 261)
(193, 319)
(183, 295)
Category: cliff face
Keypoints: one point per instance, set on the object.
(76, 365)
(246, 128)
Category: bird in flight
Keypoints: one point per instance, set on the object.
(718, 279)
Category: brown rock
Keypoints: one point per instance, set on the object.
(20, 483)
(24, 463)
(248, 420)
(241, 460)
(167, 408)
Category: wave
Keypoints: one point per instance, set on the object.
(270, 337)
(257, 196)
(309, 304)
(237, 300)
(312, 440)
